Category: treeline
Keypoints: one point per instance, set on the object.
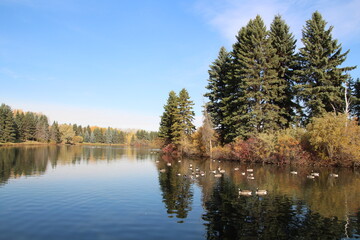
(269, 103)
(18, 126)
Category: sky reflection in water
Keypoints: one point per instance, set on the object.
(90, 192)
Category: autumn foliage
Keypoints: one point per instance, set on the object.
(334, 139)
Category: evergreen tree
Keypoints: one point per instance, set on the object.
(42, 129)
(99, 137)
(88, 129)
(75, 128)
(92, 137)
(109, 136)
(142, 135)
(169, 118)
(80, 131)
(186, 114)
(284, 43)
(320, 76)
(19, 121)
(220, 93)
(121, 137)
(153, 135)
(86, 136)
(355, 91)
(30, 126)
(7, 124)
(176, 122)
(255, 61)
(55, 135)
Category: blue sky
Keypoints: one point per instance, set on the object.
(113, 63)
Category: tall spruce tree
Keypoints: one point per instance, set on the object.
(99, 136)
(7, 124)
(30, 126)
(220, 92)
(86, 136)
(169, 119)
(186, 113)
(355, 104)
(284, 44)
(19, 120)
(109, 136)
(92, 137)
(320, 76)
(255, 62)
(183, 126)
(55, 135)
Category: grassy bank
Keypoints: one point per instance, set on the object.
(27, 143)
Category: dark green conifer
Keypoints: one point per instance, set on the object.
(108, 135)
(284, 44)
(320, 76)
(75, 128)
(176, 122)
(169, 118)
(186, 113)
(255, 62)
(19, 121)
(30, 126)
(220, 93)
(99, 136)
(355, 100)
(121, 137)
(9, 131)
(55, 135)
(7, 124)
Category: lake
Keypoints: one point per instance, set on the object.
(108, 192)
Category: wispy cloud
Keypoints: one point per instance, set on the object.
(228, 16)
(9, 73)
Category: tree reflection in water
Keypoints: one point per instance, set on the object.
(295, 208)
(176, 188)
(33, 160)
(230, 216)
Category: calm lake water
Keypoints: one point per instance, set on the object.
(91, 192)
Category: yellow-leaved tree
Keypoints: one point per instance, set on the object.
(335, 139)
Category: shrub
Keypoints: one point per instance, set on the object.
(247, 150)
(222, 152)
(78, 139)
(335, 139)
(288, 147)
(272, 147)
(169, 149)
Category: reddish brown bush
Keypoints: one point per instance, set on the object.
(169, 149)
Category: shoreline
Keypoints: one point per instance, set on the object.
(35, 143)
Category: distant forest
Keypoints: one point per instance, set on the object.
(17, 126)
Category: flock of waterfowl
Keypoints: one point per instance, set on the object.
(249, 192)
(249, 173)
(316, 174)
